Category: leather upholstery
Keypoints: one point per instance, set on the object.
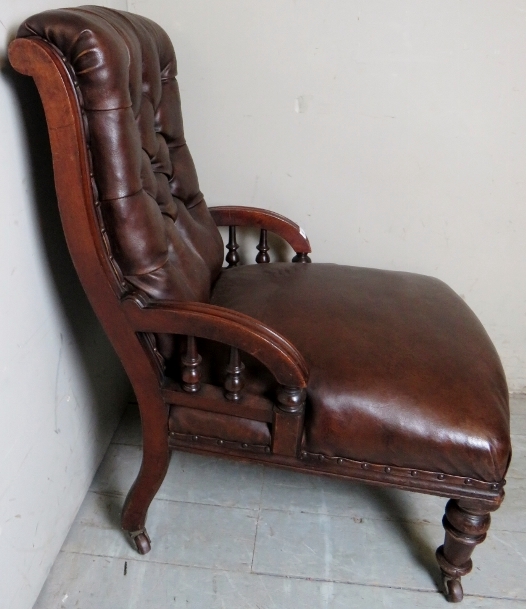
(235, 429)
(160, 231)
(402, 373)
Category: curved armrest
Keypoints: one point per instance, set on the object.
(283, 360)
(233, 215)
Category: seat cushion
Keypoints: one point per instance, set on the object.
(402, 372)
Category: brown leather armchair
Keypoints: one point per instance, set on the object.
(371, 375)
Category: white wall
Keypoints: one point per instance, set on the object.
(62, 390)
(393, 131)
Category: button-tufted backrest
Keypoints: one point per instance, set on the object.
(159, 230)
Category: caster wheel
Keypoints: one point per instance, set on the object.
(142, 541)
(453, 589)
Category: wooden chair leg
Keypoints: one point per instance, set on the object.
(155, 460)
(466, 522)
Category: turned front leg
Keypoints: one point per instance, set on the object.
(466, 522)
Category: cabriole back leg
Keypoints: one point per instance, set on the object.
(466, 522)
(155, 460)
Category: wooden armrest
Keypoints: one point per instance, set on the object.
(211, 322)
(233, 215)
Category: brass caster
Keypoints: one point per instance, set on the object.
(453, 589)
(142, 541)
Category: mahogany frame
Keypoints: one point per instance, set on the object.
(128, 317)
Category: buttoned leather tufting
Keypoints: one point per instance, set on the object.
(160, 232)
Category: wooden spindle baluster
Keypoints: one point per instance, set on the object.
(301, 257)
(232, 246)
(234, 381)
(191, 367)
(263, 248)
(287, 424)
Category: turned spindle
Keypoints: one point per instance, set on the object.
(234, 381)
(232, 246)
(301, 257)
(287, 422)
(191, 367)
(466, 522)
(262, 248)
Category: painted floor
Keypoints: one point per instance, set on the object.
(237, 536)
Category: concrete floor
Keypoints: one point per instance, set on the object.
(238, 536)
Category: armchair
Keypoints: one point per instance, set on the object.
(370, 375)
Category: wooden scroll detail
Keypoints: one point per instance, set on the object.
(287, 424)
(293, 234)
(234, 381)
(301, 257)
(466, 522)
(191, 367)
(262, 247)
(232, 258)
(211, 322)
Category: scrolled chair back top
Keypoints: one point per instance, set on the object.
(153, 219)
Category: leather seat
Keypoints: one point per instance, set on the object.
(401, 370)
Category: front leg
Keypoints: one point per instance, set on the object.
(466, 522)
